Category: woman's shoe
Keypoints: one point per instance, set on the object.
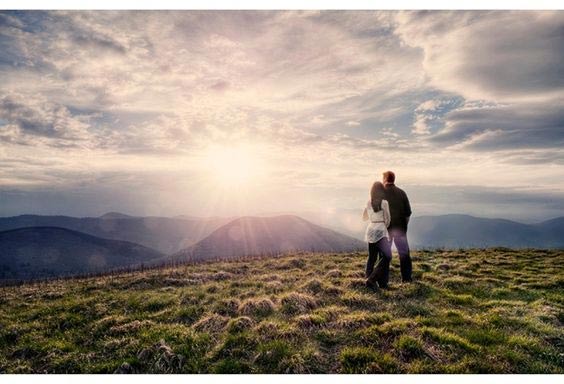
(371, 285)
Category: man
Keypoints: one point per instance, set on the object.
(400, 211)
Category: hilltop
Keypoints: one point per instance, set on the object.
(468, 311)
(268, 236)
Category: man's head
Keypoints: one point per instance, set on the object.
(389, 177)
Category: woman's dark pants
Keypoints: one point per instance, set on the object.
(378, 264)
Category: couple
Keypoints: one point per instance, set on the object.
(388, 213)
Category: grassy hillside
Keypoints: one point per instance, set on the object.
(468, 311)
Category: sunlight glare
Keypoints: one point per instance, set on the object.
(233, 166)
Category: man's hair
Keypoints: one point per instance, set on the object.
(389, 177)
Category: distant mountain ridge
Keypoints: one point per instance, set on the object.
(34, 246)
(41, 252)
(116, 215)
(46, 251)
(248, 236)
(172, 235)
(167, 235)
(453, 231)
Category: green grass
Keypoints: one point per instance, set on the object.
(468, 311)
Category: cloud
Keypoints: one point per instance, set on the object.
(220, 85)
(227, 69)
(504, 127)
(429, 114)
(499, 55)
(507, 65)
(37, 118)
(332, 93)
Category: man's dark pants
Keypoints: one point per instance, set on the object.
(399, 237)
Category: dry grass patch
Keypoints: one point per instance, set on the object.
(361, 319)
(257, 307)
(332, 312)
(357, 360)
(131, 327)
(360, 300)
(274, 286)
(240, 324)
(213, 323)
(356, 284)
(313, 286)
(160, 358)
(273, 330)
(227, 307)
(294, 303)
(310, 320)
(334, 273)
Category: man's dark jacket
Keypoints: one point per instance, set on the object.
(400, 209)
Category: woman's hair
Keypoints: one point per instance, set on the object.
(377, 195)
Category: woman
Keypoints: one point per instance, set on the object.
(377, 212)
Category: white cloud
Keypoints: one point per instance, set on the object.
(506, 64)
(32, 120)
(430, 112)
(495, 55)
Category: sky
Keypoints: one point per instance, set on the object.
(221, 113)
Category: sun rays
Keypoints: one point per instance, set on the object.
(237, 166)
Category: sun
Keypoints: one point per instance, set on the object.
(237, 165)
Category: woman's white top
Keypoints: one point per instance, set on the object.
(377, 227)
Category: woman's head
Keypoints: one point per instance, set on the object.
(377, 195)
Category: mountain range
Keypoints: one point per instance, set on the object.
(31, 252)
(33, 246)
(164, 234)
(41, 252)
(463, 231)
